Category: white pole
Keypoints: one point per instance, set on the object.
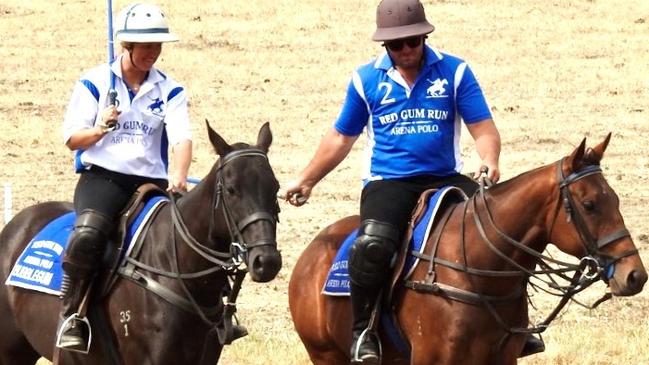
(7, 202)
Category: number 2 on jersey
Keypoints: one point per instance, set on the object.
(388, 89)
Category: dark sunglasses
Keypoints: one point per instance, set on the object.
(397, 44)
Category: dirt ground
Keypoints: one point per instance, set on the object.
(553, 73)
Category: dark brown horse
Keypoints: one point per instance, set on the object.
(188, 262)
(466, 302)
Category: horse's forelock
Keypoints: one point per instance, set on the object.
(239, 146)
(591, 157)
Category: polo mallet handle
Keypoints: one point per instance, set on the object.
(193, 180)
(112, 93)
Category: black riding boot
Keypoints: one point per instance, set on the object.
(73, 333)
(532, 346)
(82, 257)
(366, 347)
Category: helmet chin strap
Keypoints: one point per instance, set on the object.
(134, 65)
(130, 57)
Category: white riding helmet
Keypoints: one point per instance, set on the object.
(143, 23)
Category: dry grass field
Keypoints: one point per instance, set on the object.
(554, 72)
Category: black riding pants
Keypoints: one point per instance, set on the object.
(392, 201)
(108, 192)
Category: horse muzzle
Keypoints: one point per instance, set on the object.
(264, 262)
(629, 277)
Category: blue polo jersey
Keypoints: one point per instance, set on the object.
(412, 131)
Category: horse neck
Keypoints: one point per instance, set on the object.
(205, 223)
(196, 209)
(522, 208)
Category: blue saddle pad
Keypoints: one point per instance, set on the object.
(39, 266)
(337, 283)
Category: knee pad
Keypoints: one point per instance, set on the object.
(372, 253)
(87, 242)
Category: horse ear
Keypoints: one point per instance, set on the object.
(220, 145)
(594, 155)
(575, 160)
(598, 151)
(265, 137)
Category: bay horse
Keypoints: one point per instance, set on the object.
(195, 253)
(466, 300)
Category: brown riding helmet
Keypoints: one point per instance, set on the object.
(396, 19)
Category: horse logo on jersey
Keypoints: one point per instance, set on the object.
(156, 106)
(436, 89)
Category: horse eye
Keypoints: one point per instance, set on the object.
(589, 205)
(230, 190)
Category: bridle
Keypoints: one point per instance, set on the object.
(605, 264)
(595, 265)
(228, 262)
(235, 228)
(592, 267)
(238, 247)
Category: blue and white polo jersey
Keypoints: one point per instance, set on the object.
(149, 121)
(412, 131)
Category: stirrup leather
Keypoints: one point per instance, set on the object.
(71, 322)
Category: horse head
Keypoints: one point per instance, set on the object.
(589, 224)
(246, 194)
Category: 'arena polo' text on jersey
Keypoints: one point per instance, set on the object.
(414, 131)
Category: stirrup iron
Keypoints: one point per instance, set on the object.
(361, 338)
(73, 321)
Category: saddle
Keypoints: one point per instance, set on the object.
(402, 269)
(117, 245)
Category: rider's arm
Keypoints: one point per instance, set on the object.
(487, 143)
(87, 137)
(333, 148)
(182, 155)
(180, 138)
(472, 106)
(81, 127)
